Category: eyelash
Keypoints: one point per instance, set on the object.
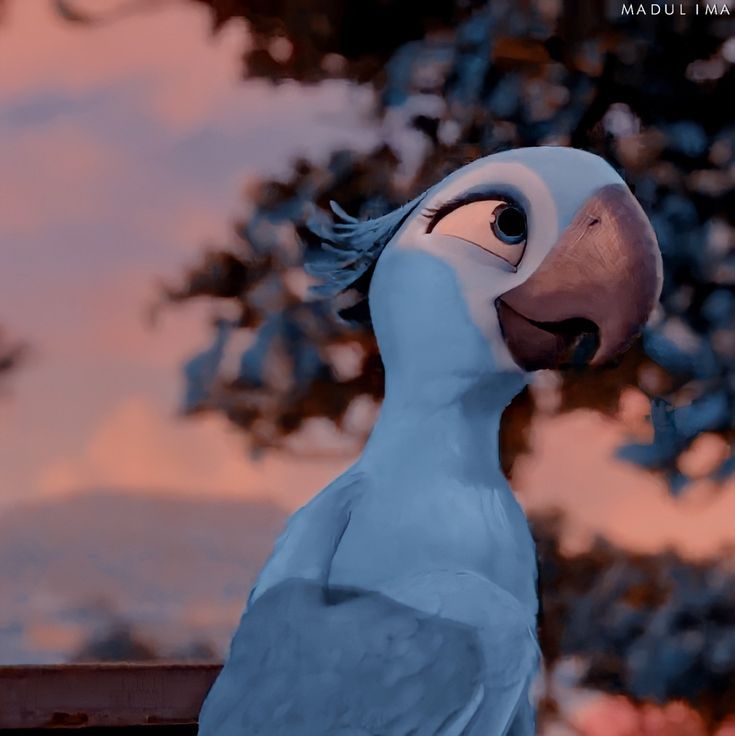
(434, 214)
(430, 212)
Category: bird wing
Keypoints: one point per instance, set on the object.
(310, 661)
(307, 545)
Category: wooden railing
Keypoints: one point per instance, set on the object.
(120, 699)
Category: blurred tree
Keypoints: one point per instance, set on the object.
(310, 39)
(196, 651)
(651, 627)
(487, 78)
(510, 75)
(11, 354)
(305, 40)
(118, 643)
(462, 79)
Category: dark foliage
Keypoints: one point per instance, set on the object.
(649, 627)
(11, 354)
(119, 640)
(331, 37)
(119, 643)
(485, 79)
(460, 80)
(652, 627)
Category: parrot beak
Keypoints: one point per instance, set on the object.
(594, 292)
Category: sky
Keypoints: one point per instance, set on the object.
(121, 155)
(124, 150)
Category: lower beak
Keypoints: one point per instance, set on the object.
(594, 292)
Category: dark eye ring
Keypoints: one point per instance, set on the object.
(508, 224)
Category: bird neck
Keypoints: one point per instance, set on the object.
(444, 428)
(444, 389)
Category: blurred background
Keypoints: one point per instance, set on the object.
(168, 394)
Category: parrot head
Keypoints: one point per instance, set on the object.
(523, 260)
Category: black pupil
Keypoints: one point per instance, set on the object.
(511, 222)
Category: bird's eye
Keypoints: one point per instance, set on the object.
(509, 224)
(495, 225)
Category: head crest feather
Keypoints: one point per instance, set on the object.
(342, 253)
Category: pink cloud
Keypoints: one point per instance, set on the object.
(141, 137)
(53, 178)
(616, 716)
(163, 46)
(185, 74)
(75, 401)
(137, 447)
(573, 467)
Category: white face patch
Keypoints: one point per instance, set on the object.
(495, 225)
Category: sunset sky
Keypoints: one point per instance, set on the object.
(124, 149)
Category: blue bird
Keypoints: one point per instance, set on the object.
(402, 599)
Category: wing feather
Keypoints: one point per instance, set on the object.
(301, 665)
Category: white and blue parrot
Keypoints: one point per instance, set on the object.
(402, 599)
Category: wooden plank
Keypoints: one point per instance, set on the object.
(181, 730)
(103, 695)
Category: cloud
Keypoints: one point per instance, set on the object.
(573, 467)
(137, 447)
(157, 47)
(52, 178)
(608, 715)
(123, 149)
(147, 118)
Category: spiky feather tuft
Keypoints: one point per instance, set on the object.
(342, 254)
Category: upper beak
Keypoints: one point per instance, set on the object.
(593, 293)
